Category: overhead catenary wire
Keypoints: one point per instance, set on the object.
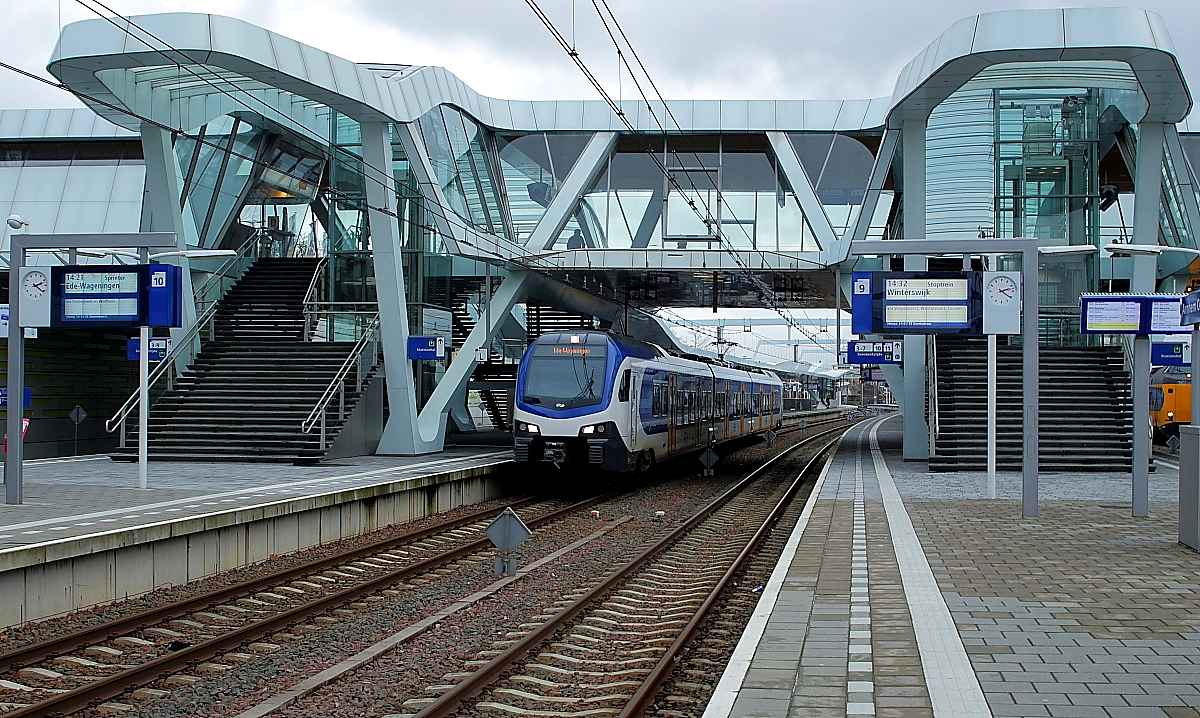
(434, 209)
(573, 53)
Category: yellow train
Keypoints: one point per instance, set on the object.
(1170, 400)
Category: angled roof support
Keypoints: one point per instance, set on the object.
(810, 204)
(589, 165)
(418, 159)
(883, 163)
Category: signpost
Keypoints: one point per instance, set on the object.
(1174, 354)
(993, 306)
(77, 416)
(1189, 436)
(507, 532)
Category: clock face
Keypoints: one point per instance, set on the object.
(35, 285)
(1001, 290)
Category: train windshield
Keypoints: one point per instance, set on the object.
(566, 375)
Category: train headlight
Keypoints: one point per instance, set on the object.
(592, 429)
(1170, 415)
(531, 428)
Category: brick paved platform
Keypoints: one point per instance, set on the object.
(908, 594)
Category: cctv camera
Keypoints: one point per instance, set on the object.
(15, 221)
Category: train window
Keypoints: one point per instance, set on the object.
(623, 393)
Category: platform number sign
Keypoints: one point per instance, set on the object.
(158, 279)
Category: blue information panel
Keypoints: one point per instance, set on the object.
(1166, 354)
(426, 348)
(1130, 314)
(27, 398)
(917, 303)
(159, 348)
(116, 296)
(873, 352)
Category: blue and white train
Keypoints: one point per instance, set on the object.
(592, 399)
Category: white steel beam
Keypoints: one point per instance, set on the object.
(589, 165)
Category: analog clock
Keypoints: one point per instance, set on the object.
(35, 285)
(1001, 290)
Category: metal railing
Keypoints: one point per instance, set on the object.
(362, 360)
(166, 367)
(224, 277)
(207, 298)
(932, 395)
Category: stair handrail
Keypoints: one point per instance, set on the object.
(367, 345)
(201, 295)
(310, 298)
(932, 383)
(164, 367)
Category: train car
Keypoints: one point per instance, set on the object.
(1170, 400)
(593, 399)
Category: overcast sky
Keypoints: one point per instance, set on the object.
(692, 48)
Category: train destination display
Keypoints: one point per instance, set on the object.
(1130, 314)
(917, 302)
(100, 296)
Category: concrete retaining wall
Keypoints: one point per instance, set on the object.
(56, 577)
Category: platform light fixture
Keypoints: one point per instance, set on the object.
(1068, 250)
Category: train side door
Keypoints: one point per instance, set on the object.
(672, 413)
(635, 423)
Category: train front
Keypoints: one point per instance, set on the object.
(567, 413)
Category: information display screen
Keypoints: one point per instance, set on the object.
(1130, 314)
(101, 296)
(98, 297)
(927, 303)
(1112, 317)
(1165, 316)
(910, 289)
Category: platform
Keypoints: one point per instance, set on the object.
(86, 534)
(905, 593)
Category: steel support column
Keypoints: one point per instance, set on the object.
(1147, 201)
(400, 435)
(916, 426)
(432, 421)
(164, 192)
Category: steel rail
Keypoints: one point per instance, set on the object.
(645, 695)
(35, 652)
(448, 703)
(124, 681)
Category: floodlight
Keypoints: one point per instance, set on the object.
(15, 221)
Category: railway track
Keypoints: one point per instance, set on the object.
(607, 651)
(211, 634)
(93, 665)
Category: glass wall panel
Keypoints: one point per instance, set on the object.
(463, 157)
(690, 192)
(217, 173)
(534, 167)
(839, 167)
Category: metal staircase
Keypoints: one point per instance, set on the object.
(248, 392)
(1085, 412)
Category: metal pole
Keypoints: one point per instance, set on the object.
(143, 406)
(144, 394)
(1144, 268)
(487, 308)
(14, 489)
(1189, 459)
(1029, 381)
(837, 303)
(991, 417)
